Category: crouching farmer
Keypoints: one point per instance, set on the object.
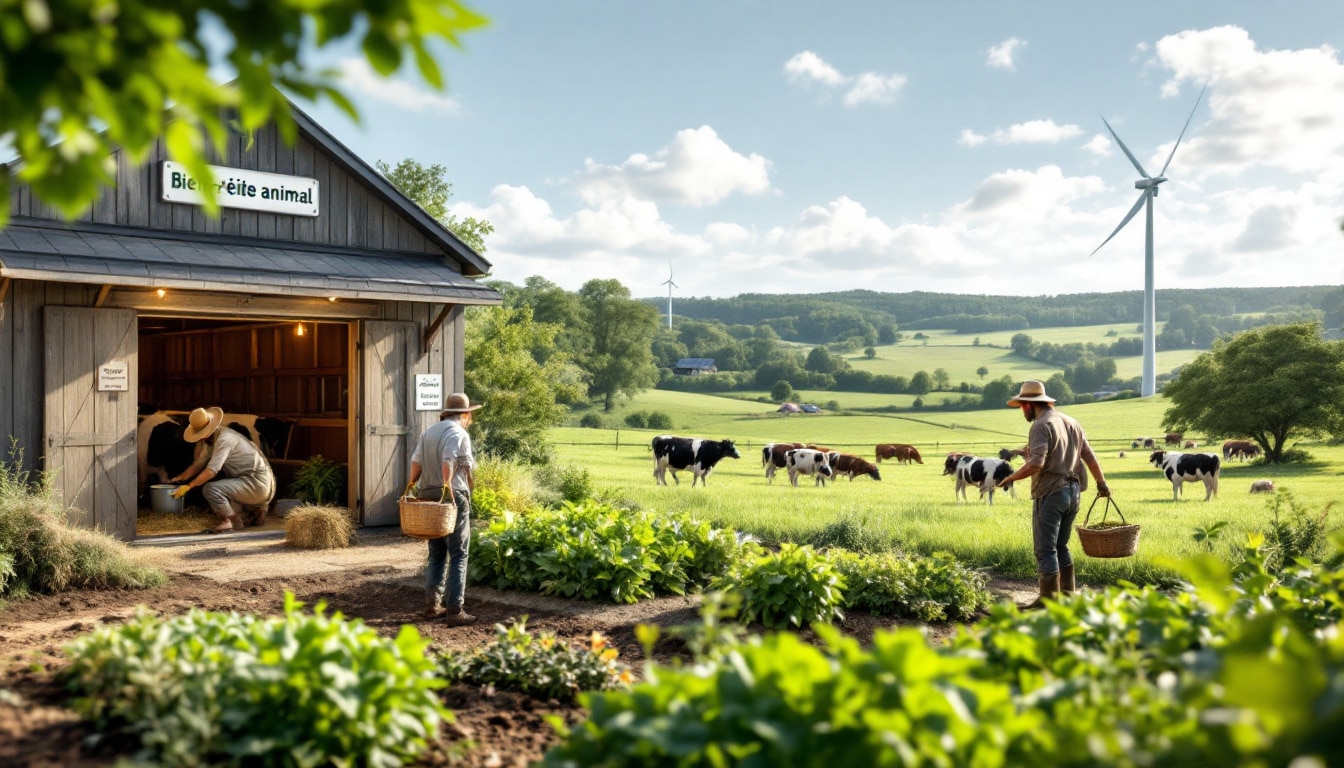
(1057, 453)
(247, 482)
(442, 459)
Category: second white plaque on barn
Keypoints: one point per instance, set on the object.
(428, 391)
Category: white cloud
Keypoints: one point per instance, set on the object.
(1030, 132)
(807, 68)
(1001, 56)
(1267, 229)
(727, 233)
(359, 77)
(1099, 145)
(697, 168)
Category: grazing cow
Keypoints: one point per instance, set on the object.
(1149, 442)
(1122, 454)
(1190, 444)
(1175, 438)
(984, 474)
(775, 456)
(1240, 449)
(1181, 468)
(845, 464)
(1008, 454)
(269, 434)
(692, 453)
(1262, 486)
(901, 452)
(809, 461)
(950, 463)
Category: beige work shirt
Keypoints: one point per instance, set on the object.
(1058, 440)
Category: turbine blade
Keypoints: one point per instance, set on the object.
(1187, 125)
(1128, 154)
(1142, 197)
(674, 285)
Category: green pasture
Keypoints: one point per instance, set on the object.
(956, 355)
(848, 400)
(913, 506)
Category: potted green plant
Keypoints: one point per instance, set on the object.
(318, 481)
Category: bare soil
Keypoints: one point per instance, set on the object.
(37, 728)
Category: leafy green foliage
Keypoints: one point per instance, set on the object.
(1296, 531)
(1268, 384)
(592, 421)
(937, 588)
(571, 482)
(540, 666)
(1243, 670)
(781, 391)
(80, 79)
(318, 481)
(592, 550)
(225, 689)
(505, 485)
(795, 586)
(428, 186)
(620, 358)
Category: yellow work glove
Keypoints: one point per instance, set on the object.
(410, 490)
(182, 490)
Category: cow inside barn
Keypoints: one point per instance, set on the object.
(902, 453)
(162, 452)
(1181, 468)
(845, 464)
(774, 456)
(809, 461)
(984, 474)
(689, 453)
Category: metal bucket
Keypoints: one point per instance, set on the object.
(162, 502)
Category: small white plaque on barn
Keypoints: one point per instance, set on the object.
(241, 188)
(428, 391)
(114, 376)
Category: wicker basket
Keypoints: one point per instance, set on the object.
(422, 519)
(1108, 540)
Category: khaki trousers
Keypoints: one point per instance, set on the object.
(228, 497)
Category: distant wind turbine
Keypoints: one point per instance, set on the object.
(1149, 186)
(670, 285)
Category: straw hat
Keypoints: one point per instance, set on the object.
(458, 402)
(203, 423)
(1032, 391)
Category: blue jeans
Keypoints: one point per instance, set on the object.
(450, 553)
(1051, 523)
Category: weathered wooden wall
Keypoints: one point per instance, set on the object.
(349, 213)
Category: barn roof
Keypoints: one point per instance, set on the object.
(91, 253)
(695, 362)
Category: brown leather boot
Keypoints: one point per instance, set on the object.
(434, 607)
(458, 617)
(1049, 587)
(1066, 582)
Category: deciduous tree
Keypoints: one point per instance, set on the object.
(620, 358)
(429, 187)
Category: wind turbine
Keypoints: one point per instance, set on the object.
(670, 285)
(1149, 186)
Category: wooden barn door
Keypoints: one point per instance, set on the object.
(390, 356)
(90, 414)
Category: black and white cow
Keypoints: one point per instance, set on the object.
(693, 453)
(775, 456)
(809, 461)
(1181, 468)
(162, 452)
(984, 474)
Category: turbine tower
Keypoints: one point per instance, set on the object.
(670, 285)
(1149, 186)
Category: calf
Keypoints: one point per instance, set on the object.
(985, 474)
(809, 461)
(845, 464)
(902, 453)
(775, 456)
(1262, 486)
(1190, 444)
(1183, 468)
(689, 453)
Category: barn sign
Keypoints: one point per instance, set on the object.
(428, 391)
(114, 376)
(241, 188)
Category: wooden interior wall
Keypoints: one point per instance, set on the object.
(22, 353)
(350, 214)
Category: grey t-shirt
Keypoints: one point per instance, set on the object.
(446, 441)
(235, 456)
(1059, 440)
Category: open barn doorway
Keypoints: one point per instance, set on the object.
(288, 385)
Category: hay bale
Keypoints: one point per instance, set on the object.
(314, 527)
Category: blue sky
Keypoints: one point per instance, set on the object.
(955, 146)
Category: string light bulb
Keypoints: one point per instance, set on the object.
(299, 331)
(161, 293)
(332, 299)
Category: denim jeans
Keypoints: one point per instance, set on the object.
(1051, 523)
(450, 553)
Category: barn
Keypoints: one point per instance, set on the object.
(320, 296)
(694, 366)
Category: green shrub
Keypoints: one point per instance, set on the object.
(540, 666)
(570, 483)
(1295, 531)
(858, 532)
(637, 420)
(593, 550)
(659, 420)
(795, 585)
(225, 689)
(318, 481)
(592, 421)
(505, 485)
(937, 588)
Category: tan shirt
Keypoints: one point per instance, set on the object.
(1059, 440)
(234, 456)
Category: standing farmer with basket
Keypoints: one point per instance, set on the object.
(1057, 451)
(443, 459)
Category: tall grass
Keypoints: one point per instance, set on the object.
(41, 554)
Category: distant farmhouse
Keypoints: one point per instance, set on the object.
(694, 366)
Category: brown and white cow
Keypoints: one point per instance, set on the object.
(775, 456)
(1190, 444)
(1175, 438)
(846, 464)
(902, 453)
(1240, 449)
